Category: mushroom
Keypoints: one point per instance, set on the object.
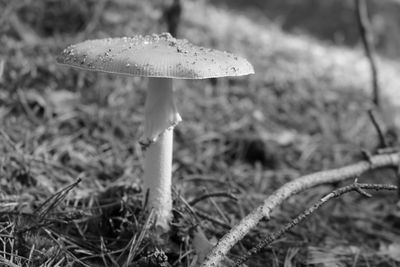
(162, 58)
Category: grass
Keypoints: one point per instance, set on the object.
(303, 111)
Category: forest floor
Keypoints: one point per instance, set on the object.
(304, 110)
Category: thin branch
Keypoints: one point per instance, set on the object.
(212, 219)
(382, 139)
(289, 189)
(215, 194)
(217, 207)
(335, 194)
(186, 204)
(364, 26)
(197, 213)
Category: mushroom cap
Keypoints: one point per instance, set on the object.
(154, 55)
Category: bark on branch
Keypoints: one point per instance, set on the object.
(303, 183)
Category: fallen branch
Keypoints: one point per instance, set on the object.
(289, 189)
(337, 193)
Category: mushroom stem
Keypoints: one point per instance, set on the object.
(160, 118)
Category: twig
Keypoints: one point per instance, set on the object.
(212, 219)
(337, 193)
(217, 207)
(287, 190)
(382, 139)
(186, 204)
(215, 194)
(364, 26)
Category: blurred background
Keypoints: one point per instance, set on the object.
(303, 111)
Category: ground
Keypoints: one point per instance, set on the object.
(70, 169)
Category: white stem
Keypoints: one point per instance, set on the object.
(160, 118)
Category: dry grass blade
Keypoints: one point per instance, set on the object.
(135, 243)
(58, 239)
(333, 256)
(106, 255)
(8, 263)
(52, 201)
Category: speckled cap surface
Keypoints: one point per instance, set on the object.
(154, 56)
